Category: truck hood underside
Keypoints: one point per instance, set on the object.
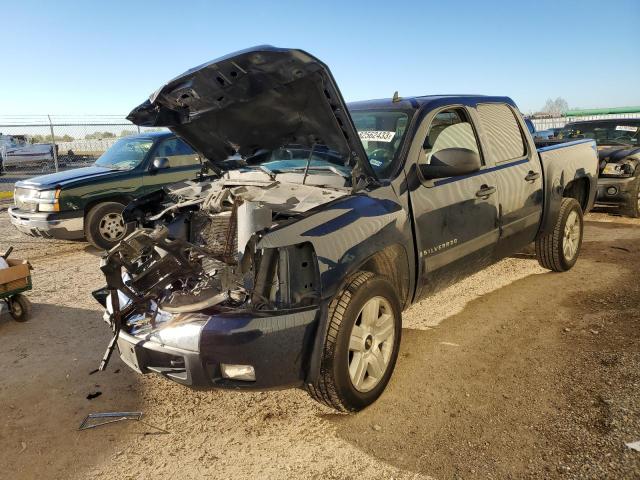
(260, 98)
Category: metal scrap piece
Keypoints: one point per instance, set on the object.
(112, 417)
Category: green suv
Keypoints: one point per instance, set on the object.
(88, 202)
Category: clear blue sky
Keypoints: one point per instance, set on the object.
(72, 57)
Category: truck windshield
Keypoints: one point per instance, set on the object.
(125, 154)
(619, 132)
(382, 133)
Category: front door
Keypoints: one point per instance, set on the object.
(456, 217)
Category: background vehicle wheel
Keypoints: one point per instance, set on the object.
(19, 308)
(559, 250)
(104, 225)
(632, 208)
(362, 344)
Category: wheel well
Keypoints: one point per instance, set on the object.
(578, 189)
(392, 264)
(120, 199)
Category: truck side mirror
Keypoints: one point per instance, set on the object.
(451, 162)
(159, 163)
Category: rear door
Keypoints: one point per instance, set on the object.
(183, 164)
(456, 217)
(518, 173)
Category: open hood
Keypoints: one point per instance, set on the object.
(260, 98)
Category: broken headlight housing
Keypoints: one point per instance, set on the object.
(618, 169)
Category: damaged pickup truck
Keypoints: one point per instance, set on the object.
(292, 264)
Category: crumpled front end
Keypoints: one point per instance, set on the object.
(190, 294)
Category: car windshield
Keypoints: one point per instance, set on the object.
(294, 158)
(125, 154)
(619, 132)
(382, 133)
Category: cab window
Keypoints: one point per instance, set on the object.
(178, 152)
(502, 130)
(449, 129)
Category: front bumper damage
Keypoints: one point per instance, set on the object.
(275, 346)
(197, 310)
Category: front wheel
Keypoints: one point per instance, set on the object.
(104, 225)
(362, 344)
(559, 250)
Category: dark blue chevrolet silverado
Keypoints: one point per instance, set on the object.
(292, 263)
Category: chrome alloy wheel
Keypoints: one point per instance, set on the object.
(571, 238)
(371, 344)
(112, 227)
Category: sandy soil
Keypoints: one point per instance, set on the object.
(512, 373)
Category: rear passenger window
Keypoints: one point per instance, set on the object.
(502, 131)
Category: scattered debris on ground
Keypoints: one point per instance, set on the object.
(94, 420)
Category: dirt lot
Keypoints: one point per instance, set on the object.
(513, 373)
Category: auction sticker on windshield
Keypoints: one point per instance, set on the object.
(376, 136)
(626, 129)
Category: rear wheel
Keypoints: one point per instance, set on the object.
(104, 225)
(362, 344)
(19, 308)
(559, 250)
(632, 208)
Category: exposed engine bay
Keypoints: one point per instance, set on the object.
(196, 251)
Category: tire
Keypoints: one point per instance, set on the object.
(559, 250)
(20, 308)
(632, 208)
(104, 227)
(355, 348)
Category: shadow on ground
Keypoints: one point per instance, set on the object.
(45, 366)
(491, 392)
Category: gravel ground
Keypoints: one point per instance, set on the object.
(514, 372)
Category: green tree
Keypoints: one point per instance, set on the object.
(99, 135)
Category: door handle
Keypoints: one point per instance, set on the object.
(485, 191)
(532, 176)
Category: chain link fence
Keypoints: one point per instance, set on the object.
(32, 145)
(559, 122)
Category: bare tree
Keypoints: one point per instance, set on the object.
(555, 107)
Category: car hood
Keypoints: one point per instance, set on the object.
(612, 154)
(60, 179)
(260, 98)
(616, 154)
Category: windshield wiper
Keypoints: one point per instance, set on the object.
(321, 167)
(267, 170)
